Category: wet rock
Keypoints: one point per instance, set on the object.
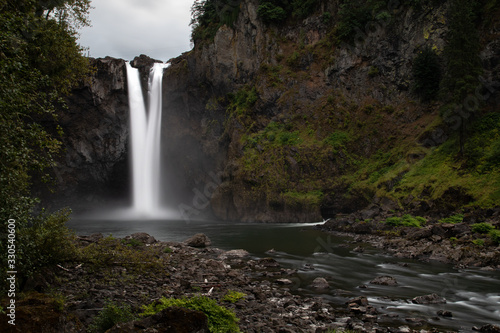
(403, 329)
(142, 237)
(198, 240)
(232, 254)
(445, 313)
(384, 281)
(489, 329)
(363, 301)
(320, 283)
(429, 299)
(170, 320)
(284, 281)
(415, 321)
(268, 262)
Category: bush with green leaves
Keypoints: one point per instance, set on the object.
(207, 16)
(495, 236)
(482, 228)
(220, 319)
(271, 13)
(277, 11)
(40, 62)
(110, 315)
(406, 221)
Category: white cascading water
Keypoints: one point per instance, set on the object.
(145, 128)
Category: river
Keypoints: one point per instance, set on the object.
(473, 295)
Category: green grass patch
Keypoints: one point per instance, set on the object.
(301, 200)
(495, 236)
(233, 296)
(454, 219)
(220, 319)
(482, 228)
(406, 221)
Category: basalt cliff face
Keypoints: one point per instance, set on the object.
(282, 122)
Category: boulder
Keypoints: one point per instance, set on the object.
(142, 237)
(268, 262)
(445, 313)
(233, 254)
(429, 299)
(198, 240)
(320, 283)
(490, 329)
(170, 320)
(384, 281)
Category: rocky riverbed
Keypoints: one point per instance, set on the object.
(460, 244)
(139, 270)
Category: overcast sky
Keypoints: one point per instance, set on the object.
(127, 28)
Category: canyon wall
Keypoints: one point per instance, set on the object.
(275, 123)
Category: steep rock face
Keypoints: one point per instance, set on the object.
(232, 106)
(94, 163)
(298, 71)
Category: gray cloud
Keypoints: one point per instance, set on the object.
(127, 28)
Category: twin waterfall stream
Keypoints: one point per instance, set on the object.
(145, 128)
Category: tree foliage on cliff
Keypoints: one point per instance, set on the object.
(207, 16)
(40, 62)
(277, 11)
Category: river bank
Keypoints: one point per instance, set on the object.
(463, 240)
(138, 270)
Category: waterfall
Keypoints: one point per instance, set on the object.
(145, 131)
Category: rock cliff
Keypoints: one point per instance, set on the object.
(282, 122)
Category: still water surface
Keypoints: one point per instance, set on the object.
(473, 296)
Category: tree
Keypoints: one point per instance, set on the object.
(40, 62)
(463, 65)
(426, 74)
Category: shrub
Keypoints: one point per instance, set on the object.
(271, 13)
(495, 236)
(454, 219)
(482, 228)
(207, 16)
(406, 221)
(47, 241)
(220, 319)
(110, 315)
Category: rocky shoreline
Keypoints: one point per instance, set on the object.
(139, 270)
(458, 244)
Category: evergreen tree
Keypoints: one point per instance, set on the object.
(463, 64)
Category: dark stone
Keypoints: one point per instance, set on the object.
(445, 313)
(320, 283)
(363, 301)
(268, 262)
(429, 299)
(143, 238)
(198, 240)
(489, 328)
(384, 281)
